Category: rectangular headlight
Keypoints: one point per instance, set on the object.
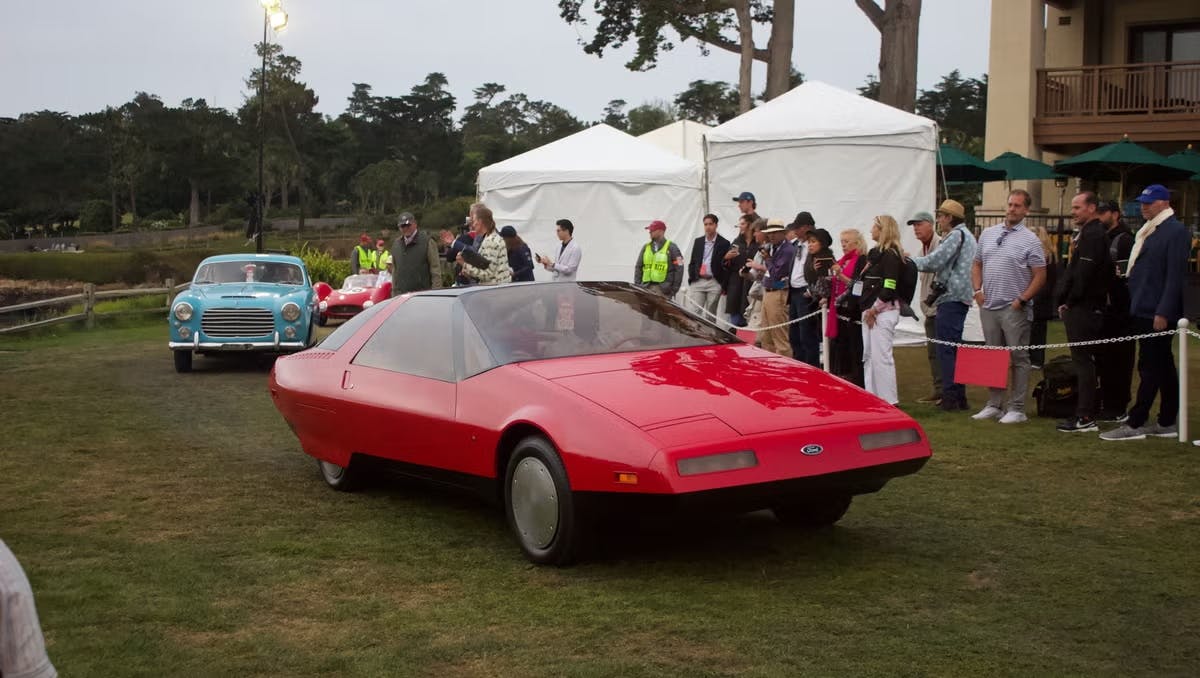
(878, 441)
(712, 463)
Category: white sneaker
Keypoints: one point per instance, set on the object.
(988, 412)
(1013, 417)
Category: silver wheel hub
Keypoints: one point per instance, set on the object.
(332, 471)
(534, 503)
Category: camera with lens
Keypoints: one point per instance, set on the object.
(936, 289)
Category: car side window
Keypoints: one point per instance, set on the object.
(476, 356)
(349, 328)
(415, 339)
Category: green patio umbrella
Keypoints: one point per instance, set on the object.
(958, 166)
(1190, 159)
(1017, 167)
(1125, 162)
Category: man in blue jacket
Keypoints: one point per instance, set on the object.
(1156, 276)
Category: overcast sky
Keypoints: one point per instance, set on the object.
(79, 56)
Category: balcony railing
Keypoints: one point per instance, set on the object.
(1120, 89)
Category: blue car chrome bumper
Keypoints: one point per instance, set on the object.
(197, 345)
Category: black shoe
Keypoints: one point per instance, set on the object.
(1077, 425)
(1118, 418)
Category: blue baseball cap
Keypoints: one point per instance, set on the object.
(1154, 193)
(744, 195)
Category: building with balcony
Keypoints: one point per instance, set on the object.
(1066, 76)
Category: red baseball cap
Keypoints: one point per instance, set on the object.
(364, 238)
(656, 225)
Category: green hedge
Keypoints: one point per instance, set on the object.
(103, 268)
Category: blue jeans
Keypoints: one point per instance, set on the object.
(948, 326)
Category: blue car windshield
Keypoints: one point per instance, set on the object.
(276, 272)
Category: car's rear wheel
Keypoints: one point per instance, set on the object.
(539, 504)
(322, 319)
(341, 478)
(813, 512)
(183, 361)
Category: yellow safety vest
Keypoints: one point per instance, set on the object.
(366, 258)
(655, 264)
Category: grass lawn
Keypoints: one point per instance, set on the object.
(170, 525)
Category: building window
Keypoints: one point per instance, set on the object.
(1155, 44)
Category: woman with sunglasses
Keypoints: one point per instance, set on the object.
(881, 304)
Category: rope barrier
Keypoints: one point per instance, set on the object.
(714, 317)
(1070, 344)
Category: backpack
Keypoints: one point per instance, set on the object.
(906, 286)
(1056, 394)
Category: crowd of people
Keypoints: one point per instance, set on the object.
(775, 277)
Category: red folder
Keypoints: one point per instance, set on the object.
(982, 367)
(747, 336)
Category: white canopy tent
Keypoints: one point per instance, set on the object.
(820, 149)
(609, 184)
(684, 138)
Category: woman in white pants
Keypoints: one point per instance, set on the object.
(885, 264)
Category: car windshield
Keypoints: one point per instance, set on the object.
(551, 320)
(361, 280)
(277, 272)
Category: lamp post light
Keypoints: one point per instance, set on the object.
(274, 18)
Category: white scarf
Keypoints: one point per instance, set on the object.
(1144, 232)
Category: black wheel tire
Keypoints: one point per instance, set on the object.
(813, 513)
(321, 320)
(568, 535)
(183, 361)
(342, 478)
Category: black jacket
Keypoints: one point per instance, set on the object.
(882, 266)
(1090, 270)
(718, 272)
(1120, 244)
(520, 261)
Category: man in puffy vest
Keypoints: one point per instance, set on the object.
(659, 266)
(362, 257)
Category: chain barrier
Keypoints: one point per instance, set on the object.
(723, 321)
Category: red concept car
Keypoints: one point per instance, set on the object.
(358, 292)
(566, 401)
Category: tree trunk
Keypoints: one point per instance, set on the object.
(132, 200)
(283, 193)
(746, 63)
(194, 208)
(779, 48)
(898, 26)
(116, 220)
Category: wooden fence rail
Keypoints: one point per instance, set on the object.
(89, 298)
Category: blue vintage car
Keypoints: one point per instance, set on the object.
(243, 302)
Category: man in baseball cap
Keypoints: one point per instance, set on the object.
(804, 336)
(659, 266)
(747, 205)
(927, 235)
(1156, 271)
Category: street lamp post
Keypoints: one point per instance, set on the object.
(273, 17)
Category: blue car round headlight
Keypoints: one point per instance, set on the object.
(290, 312)
(183, 311)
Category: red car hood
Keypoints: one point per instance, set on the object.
(750, 390)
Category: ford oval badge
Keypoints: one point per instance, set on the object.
(811, 450)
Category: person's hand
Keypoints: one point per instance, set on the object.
(1016, 304)
(869, 317)
(1062, 311)
(835, 269)
(1160, 323)
(979, 298)
(458, 258)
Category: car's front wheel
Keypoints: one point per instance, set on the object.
(539, 504)
(341, 478)
(813, 512)
(183, 361)
(322, 319)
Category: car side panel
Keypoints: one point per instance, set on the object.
(402, 417)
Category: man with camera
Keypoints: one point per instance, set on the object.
(950, 293)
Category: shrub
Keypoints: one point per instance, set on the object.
(96, 216)
(446, 213)
(161, 215)
(322, 266)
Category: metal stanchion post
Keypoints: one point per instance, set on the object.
(824, 338)
(1183, 380)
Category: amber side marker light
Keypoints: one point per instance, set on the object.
(878, 441)
(625, 478)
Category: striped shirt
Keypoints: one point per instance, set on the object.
(1008, 255)
(22, 647)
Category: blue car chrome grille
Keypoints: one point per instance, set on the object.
(237, 322)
